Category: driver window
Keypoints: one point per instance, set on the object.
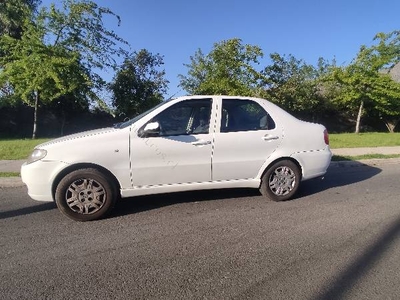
(184, 118)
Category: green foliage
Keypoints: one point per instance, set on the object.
(53, 56)
(13, 14)
(60, 52)
(78, 27)
(31, 66)
(364, 81)
(139, 84)
(12, 17)
(68, 106)
(7, 96)
(228, 69)
(294, 85)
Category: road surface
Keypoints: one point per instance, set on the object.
(339, 239)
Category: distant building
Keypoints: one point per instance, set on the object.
(393, 72)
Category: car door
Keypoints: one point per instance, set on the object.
(247, 136)
(179, 151)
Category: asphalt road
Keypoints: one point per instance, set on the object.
(340, 239)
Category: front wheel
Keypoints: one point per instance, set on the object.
(85, 195)
(281, 181)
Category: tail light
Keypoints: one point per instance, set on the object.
(326, 137)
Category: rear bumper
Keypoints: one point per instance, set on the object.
(313, 163)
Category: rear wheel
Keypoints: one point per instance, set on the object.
(85, 195)
(281, 181)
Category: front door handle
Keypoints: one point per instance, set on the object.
(201, 143)
(268, 137)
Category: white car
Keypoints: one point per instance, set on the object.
(189, 143)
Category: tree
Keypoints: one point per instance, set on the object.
(38, 72)
(139, 84)
(68, 106)
(228, 69)
(363, 85)
(13, 14)
(60, 50)
(7, 97)
(294, 85)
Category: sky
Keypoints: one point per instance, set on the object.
(307, 29)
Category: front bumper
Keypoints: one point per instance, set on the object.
(39, 177)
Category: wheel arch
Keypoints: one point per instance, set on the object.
(281, 159)
(78, 166)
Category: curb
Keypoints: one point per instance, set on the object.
(364, 162)
(6, 182)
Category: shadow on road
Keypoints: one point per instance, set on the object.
(144, 203)
(344, 281)
(27, 210)
(337, 176)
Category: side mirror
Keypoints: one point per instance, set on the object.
(150, 129)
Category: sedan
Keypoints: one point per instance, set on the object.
(189, 143)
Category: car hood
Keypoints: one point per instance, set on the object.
(80, 135)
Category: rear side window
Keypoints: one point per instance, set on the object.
(244, 115)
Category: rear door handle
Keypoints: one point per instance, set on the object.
(268, 137)
(201, 143)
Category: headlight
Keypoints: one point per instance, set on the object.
(37, 154)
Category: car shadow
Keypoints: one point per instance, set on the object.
(336, 176)
(144, 203)
(27, 210)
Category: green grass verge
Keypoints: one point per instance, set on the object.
(10, 174)
(370, 139)
(361, 157)
(18, 149)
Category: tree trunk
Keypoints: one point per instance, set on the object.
(35, 114)
(359, 117)
(391, 124)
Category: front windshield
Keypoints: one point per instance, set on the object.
(138, 117)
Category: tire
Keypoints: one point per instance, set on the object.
(85, 195)
(281, 181)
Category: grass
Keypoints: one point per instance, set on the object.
(18, 149)
(361, 157)
(10, 174)
(371, 139)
